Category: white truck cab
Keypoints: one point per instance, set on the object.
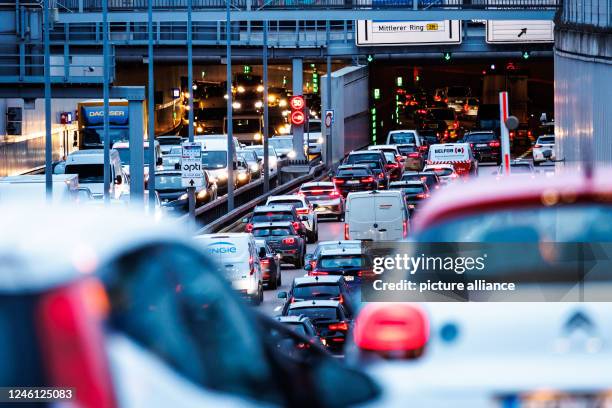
(89, 166)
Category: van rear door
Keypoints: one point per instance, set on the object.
(231, 255)
(390, 216)
(360, 218)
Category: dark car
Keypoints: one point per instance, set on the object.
(431, 179)
(393, 165)
(270, 265)
(251, 158)
(331, 287)
(485, 145)
(303, 326)
(173, 195)
(282, 237)
(415, 192)
(351, 263)
(274, 213)
(329, 317)
(379, 171)
(350, 178)
(364, 155)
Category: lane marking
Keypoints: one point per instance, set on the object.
(277, 308)
(522, 156)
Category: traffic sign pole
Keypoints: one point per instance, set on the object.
(505, 134)
(190, 190)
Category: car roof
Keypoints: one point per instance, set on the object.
(272, 208)
(292, 319)
(313, 280)
(360, 152)
(375, 192)
(438, 166)
(319, 184)
(352, 166)
(314, 303)
(380, 147)
(287, 197)
(492, 193)
(407, 182)
(340, 251)
(90, 236)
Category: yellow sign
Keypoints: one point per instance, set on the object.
(432, 27)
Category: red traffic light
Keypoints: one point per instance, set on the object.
(297, 102)
(297, 118)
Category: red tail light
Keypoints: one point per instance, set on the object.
(456, 125)
(249, 227)
(346, 231)
(340, 326)
(265, 261)
(334, 193)
(422, 195)
(391, 166)
(367, 180)
(445, 99)
(251, 266)
(318, 273)
(391, 327)
(437, 98)
(537, 146)
(301, 211)
(466, 108)
(338, 181)
(494, 143)
(381, 175)
(296, 225)
(413, 155)
(405, 229)
(340, 299)
(289, 241)
(73, 346)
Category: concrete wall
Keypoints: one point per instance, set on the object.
(583, 86)
(349, 92)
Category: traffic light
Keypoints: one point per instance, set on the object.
(447, 56)
(297, 105)
(525, 54)
(315, 82)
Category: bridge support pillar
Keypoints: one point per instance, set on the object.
(298, 131)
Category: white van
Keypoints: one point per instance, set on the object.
(89, 165)
(404, 137)
(237, 258)
(376, 215)
(32, 188)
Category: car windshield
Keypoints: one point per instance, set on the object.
(320, 291)
(390, 156)
(281, 144)
(579, 223)
(293, 203)
(315, 313)
(479, 137)
(402, 138)
(411, 177)
(443, 114)
(124, 155)
(214, 159)
(373, 165)
(414, 189)
(88, 173)
(272, 232)
(354, 172)
(314, 127)
(315, 190)
(272, 216)
(248, 155)
(404, 150)
(546, 139)
(165, 141)
(168, 181)
(341, 261)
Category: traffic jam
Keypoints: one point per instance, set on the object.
(123, 310)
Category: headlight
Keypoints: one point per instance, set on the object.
(240, 89)
(200, 129)
(258, 104)
(254, 167)
(260, 88)
(225, 96)
(222, 175)
(320, 140)
(242, 176)
(236, 105)
(202, 194)
(184, 196)
(282, 103)
(285, 113)
(186, 107)
(271, 98)
(291, 154)
(186, 95)
(194, 87)
(272, 161)
(284, 129)
(257, 136)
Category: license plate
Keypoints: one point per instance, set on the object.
(349, 278)
(352, 182)
(433, 126)
(481, 145)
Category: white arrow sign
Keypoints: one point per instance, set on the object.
(192, 174)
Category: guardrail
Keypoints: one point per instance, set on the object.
(249, 197)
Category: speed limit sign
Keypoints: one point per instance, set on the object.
(329, 118)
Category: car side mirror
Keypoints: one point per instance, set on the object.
(304, 218)
(282, 295)
(307, 257)
(330, 174)
(160, 161)
(262, 252)
(118, 179)
(314, 205)
(308, 267)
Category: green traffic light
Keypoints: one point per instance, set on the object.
(370, 58)
(447, 56)
(526, 55)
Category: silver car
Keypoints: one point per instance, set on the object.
(328, 199)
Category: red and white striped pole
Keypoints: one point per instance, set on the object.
(505, 133)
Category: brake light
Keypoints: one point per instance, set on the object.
(391, 328)
(289, 241)
(405, 228)
(251, 266)
(494, 143)
(338, 181)
(422, 195)
(249, 227)
(334, 194)
(399, 158)
(413, 155)
(367, 180)
(381, 175)
(73, 347)
(445, 99)
(346, 231)
(392, 166)
(437, 98)
(456, 125)
(296, 225)
(318, 273)
(265, 261)
(340, 326)
(466, 107)
(537, 146)
(301, 211)
(341, 298)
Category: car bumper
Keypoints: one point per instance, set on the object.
(329, 207)
(246, 287)
(359, 187)
(488, 156)
(538, 155)
(413, 164)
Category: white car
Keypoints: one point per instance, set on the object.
(315, 136)
(445, 172)
(237, 257)
(283, 145)
(543, 144)
(272, 157)
(376, 215)
(305, 209)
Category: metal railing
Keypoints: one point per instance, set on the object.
(597, 13)
(141, 5)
